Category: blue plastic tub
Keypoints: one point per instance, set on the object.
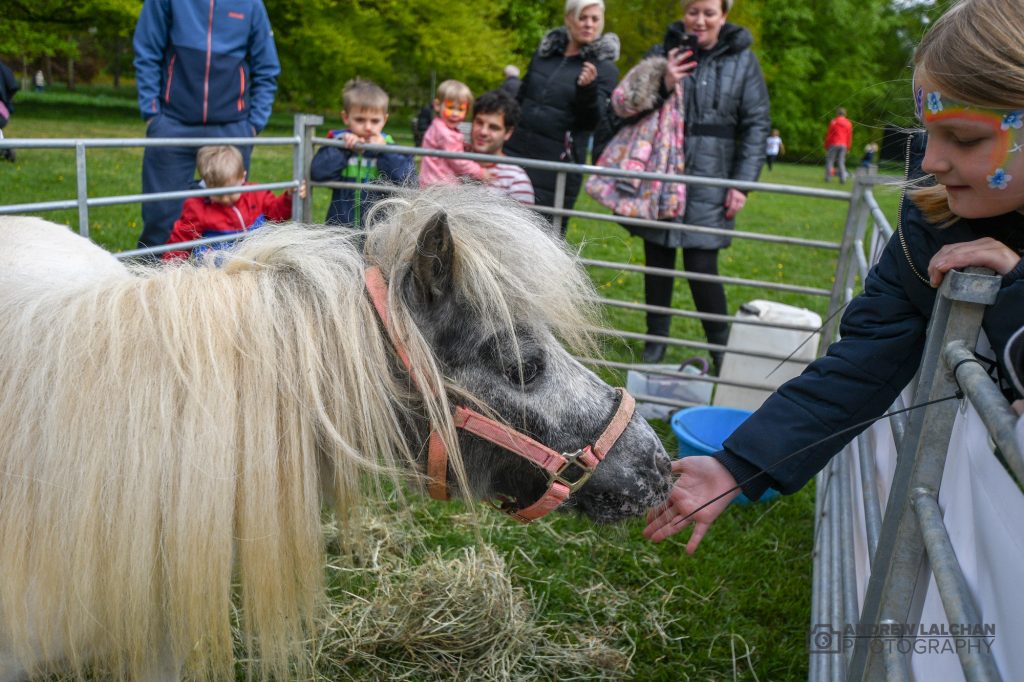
(701, 430)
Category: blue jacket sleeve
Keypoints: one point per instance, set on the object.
(264, 68)
(327, 164)
(882, 339)
(397, 168)
(152, 33)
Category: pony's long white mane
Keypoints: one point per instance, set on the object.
(165, 437)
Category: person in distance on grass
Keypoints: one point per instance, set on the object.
(838, 141)
(222, 166)
(963, 207)
(773, 148)
(495, 116)
(364, 111)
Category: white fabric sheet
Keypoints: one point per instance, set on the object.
(984, 513)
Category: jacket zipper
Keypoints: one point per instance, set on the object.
(241, 87)
(899, 216)
(209, 51)
(241, 220)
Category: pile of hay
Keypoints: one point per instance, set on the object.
(446, 617)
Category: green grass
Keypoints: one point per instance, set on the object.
(744, 600)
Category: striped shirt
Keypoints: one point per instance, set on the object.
(512, 180)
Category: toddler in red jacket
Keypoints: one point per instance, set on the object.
(222, 166)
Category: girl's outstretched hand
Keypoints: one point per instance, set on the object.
(985, 252)
(700, 480)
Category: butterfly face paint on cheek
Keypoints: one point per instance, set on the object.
(451, 109)
(1007, 125)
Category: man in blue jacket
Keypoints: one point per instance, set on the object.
(204, 69)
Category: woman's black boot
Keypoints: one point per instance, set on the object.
(654, 351)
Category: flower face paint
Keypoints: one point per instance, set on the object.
(973, 151)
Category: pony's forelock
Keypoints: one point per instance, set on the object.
(511, 264)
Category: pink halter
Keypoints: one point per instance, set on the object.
(566, 472)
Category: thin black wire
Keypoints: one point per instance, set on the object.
(867, 422)
(809, 337)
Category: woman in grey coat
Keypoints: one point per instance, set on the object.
(726, 124)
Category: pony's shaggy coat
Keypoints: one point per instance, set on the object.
(166, 435)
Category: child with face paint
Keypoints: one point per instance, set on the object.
(963, 207)
(452, 108)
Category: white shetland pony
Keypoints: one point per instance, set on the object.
(168, 435)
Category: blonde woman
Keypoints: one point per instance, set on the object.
(966, 210)
(563, 96)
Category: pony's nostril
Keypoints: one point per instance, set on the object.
(664, 467)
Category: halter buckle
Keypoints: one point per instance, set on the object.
(575, 478)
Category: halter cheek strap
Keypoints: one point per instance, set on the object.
(566, 472)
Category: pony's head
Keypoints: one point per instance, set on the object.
(484, 296)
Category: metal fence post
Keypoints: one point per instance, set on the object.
(305, 129)
(897, 563)
(556, 219)
(83, 189)
(853, 230)
(953, 590)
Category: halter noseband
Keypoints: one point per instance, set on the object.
(566, 472)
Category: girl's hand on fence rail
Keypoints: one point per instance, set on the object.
(985, 252)
(700, 479)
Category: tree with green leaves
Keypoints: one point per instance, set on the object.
(31, 30)
(816, 54)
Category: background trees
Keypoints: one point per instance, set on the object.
(816, 54)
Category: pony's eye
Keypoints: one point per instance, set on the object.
(530, 369)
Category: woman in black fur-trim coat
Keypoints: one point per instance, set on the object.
(563, 96)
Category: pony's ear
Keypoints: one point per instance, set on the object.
(432, 264)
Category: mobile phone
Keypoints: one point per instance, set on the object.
(682, 41)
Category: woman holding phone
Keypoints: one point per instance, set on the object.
(706, 67)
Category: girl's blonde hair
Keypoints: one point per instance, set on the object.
(974, 53)
(454, 90)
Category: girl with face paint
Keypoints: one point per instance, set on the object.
(451, 106)
(963, 207)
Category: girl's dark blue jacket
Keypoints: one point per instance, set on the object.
(881, 345)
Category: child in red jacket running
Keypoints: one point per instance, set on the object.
(222, 166)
